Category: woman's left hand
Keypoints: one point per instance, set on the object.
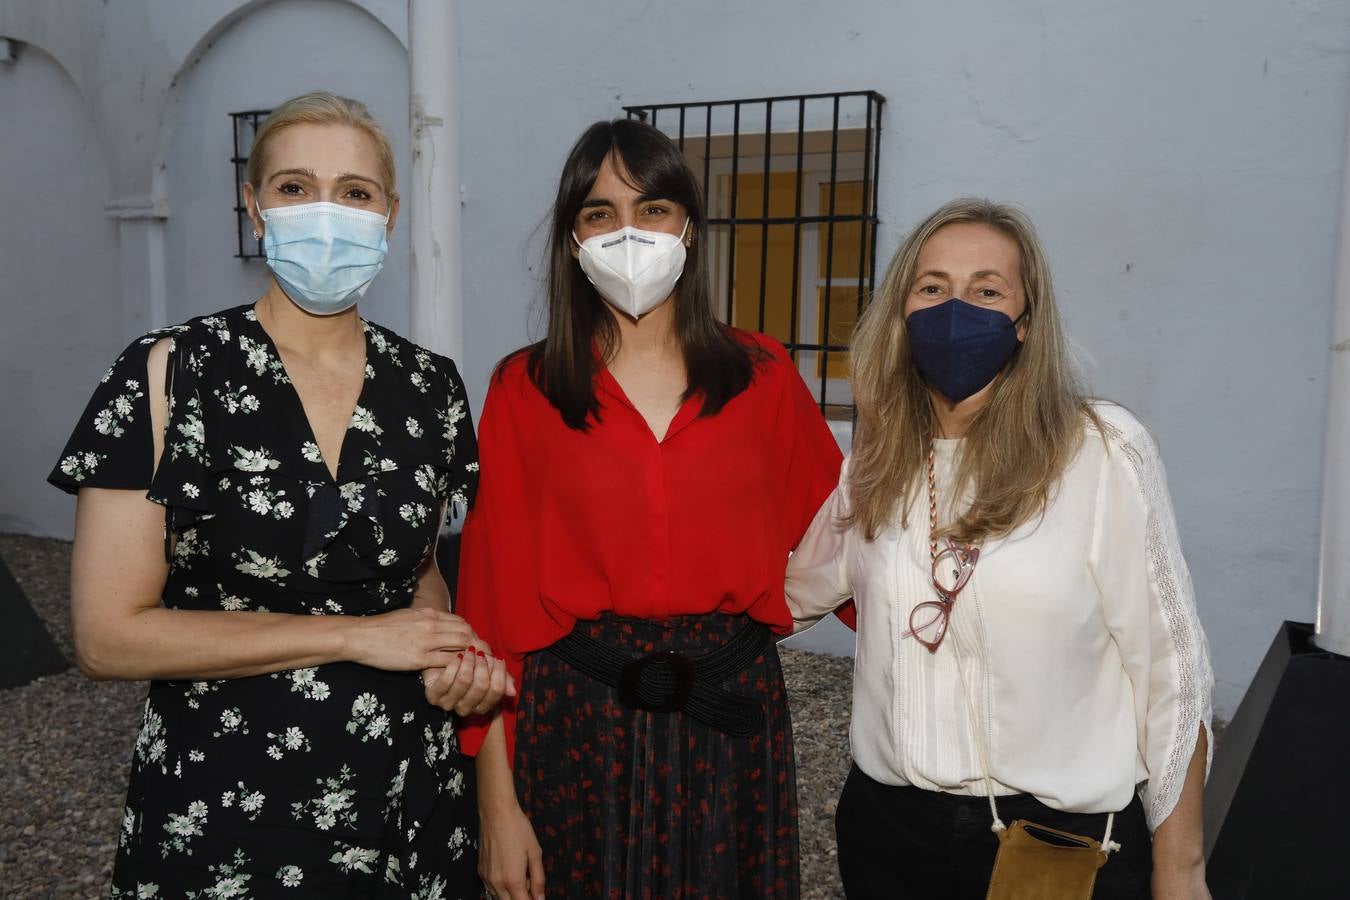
(472, 685)
(1183, 883)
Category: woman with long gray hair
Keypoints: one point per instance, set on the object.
(1028, 645)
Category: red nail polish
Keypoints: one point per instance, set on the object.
(459, 655)
(471, 649)
(482, 654)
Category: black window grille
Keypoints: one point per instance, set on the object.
(790, 186)
(245, 127)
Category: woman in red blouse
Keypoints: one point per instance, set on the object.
(645, 472)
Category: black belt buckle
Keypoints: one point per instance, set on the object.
(658, 697)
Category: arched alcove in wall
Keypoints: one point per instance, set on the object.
(61, 297)
(263, 55)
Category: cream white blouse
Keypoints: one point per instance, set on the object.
(1078, 635)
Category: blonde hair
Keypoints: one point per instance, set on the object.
(321, 108)
(1017, 445)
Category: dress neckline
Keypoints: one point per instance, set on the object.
(334, 475)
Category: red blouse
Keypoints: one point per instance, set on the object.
(569, 524)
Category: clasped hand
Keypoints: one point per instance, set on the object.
(473, 684)
(459, 671)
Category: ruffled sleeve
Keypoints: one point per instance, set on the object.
(183, 482)
(112, 445)
(1149, 607)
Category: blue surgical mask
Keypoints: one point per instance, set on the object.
(324, 255)
(958, 347)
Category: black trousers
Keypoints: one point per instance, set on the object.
(899, 843)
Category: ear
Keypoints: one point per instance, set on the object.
(251, 207)
(1023, 323)
(393, 215)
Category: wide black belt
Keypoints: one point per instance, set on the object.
(667, 681)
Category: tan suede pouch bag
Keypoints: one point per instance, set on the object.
(1036, 862)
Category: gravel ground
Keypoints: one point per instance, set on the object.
(65, 751)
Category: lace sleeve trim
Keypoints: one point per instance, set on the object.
(1175, 595)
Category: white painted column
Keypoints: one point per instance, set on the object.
(433, 197)
(1333, 588)
(144, 278)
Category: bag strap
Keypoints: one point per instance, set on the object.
(998, 827)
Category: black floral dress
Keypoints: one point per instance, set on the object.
(333, 781)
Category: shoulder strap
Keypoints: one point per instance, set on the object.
(1107, 844)
(168, 414)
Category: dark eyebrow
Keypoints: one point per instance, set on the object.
(648, 198)
(597, 201)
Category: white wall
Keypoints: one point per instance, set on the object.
(58, 281)
(115, 139)
(1182, 160)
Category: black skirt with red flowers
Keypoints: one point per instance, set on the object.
(628, 803)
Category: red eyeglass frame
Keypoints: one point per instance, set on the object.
(939, 611)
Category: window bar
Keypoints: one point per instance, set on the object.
(764, 227)
(731, 240)
(876, 174)
(707, 159)
(732, 219)
(254, 121)
(238, 191)
(797, 232)
(863, 205)
(251, 118)
(841, 218)
(782, 98)
(824, 337)
(864, 238)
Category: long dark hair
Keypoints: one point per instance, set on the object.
(563, 365)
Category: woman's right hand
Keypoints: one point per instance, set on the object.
(510, 860)
(471, 686)
(408, 640)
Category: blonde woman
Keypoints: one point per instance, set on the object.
(1028, 645)
(260, 492)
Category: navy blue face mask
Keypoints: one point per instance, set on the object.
(959, 347)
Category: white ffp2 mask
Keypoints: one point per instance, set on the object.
(634, 270)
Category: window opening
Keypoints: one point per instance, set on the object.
(790, 187)
(245, 127)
